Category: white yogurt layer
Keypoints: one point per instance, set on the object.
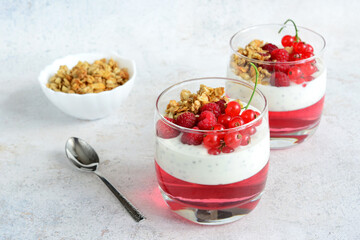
(193, 163)
(290, 98)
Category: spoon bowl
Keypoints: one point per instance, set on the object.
(81, 154)
(84, 157)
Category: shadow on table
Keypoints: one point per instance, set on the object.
(141, 190)
(157, 208)
(150, 202)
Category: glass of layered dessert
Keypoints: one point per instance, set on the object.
(212, 148)
(292, 76)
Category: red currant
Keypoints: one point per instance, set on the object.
(233, 140)
(257, 114)
(299, 47)
(295, 57)
(233, 109)
(227, 149)
(294, 73)
(287, 40)
(248, 131)
(307, 55)
(299, 80)
(248, 115)
(214, 151)
(211, 141)
(236, 122)
(308, 69)
(245, 140)
(218, 127)
(224, 120)
(309, 48)
(309, 78)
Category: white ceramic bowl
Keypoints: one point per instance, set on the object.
(88, 106)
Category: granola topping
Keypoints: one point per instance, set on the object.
(209, 110)
(277, 65)
(192, 102)
(242, 67)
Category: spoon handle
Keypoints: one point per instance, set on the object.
(137, 216)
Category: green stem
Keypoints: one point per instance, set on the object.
(256, 81)
(296, 30)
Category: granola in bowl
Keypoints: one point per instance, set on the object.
(102, 75)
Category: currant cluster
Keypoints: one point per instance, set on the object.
(215, 118)
(294, 50)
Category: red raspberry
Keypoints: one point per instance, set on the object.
(265, 54)
(192, 138)
(186, 119)
(279, 79)
(206, 120)
(165, 131)
(212, 107)
(222, 106)
(281, 67)
(280, 55)
(269, 67)
(269, 47)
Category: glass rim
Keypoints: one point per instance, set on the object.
(228, 130)
(234, 50)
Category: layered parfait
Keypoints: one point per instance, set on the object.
(291, 77)
(212, 150)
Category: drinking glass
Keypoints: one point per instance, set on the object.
(294, 110)
(212, 189)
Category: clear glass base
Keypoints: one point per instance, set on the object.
(284, 140)
(208, 217)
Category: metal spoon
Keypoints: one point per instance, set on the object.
(84, 157)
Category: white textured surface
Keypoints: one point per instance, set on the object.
(312, 192)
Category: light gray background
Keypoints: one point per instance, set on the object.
(312, 191)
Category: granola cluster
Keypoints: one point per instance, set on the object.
(242, 68)
(192, 102)
(84, 78)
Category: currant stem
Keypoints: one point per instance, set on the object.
(256, 81)
(296, 30)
